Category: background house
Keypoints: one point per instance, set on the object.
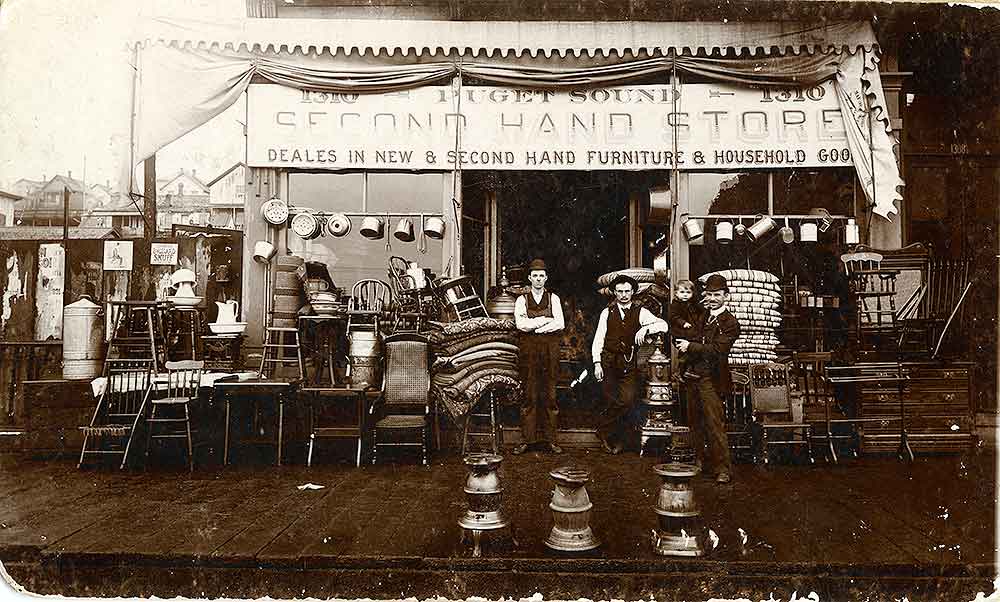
(182, 199)
(7, 201)
(227, 193)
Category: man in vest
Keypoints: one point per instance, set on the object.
(706, 378)
(621, 328)
(538, 315)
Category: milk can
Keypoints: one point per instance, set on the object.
(83, 340)
(571, 507)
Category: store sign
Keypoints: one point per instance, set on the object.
(709, 127)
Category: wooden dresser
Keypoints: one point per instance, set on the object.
(937, 398)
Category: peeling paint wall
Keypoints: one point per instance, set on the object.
(13, 288)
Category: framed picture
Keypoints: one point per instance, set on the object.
(117, 255)
(163, 253)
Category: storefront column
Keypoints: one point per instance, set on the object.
(451, 208)
(256, 277)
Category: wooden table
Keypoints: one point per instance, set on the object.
(354, 430)
(325, 337)
(276, 390)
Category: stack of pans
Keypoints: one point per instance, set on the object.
(326, 303)
(755, 301)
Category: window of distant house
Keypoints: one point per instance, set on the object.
(353, 257)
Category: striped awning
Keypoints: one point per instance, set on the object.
(509, 38)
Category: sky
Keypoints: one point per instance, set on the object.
(65, 93)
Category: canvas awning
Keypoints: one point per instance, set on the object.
(503, 38)
(189, 71)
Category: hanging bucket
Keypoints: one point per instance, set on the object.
(372, 227)
(434, 228)
(404, 230)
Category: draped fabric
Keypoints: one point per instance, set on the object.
(180, 87)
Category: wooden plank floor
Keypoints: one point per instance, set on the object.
(932, 514)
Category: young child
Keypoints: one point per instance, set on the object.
(685, 315)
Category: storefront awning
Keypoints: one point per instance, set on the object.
(189, 71)
(503, 38)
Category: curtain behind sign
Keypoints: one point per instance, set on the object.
(181, 88)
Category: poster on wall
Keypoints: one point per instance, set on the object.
(49, 291)
(117, 255)
(163, 253)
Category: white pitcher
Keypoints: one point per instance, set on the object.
(228, 312)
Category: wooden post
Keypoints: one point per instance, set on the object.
(65, 244)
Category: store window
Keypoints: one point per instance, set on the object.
(388, 195)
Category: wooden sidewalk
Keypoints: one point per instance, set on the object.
(390, 530)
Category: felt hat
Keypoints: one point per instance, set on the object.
(620, 278)
(536, 264)
(716, 282)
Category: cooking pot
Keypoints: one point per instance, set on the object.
(434, 227)
(724, 232)
(404, 230)
(306, 225)
(372, 227)
(693, 230)
(761, 227)
(263, 251)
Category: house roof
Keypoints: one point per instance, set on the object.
(227, 172)
(59, 182)
(10, 195)
(55, 233)
(182, 174)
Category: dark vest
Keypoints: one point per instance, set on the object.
(620, 336)
(541, 309)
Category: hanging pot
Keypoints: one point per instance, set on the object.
(724, 232)
(692, 230)
(263, 251)
(434, 227)
(787, 234)
(372, 227)
(807, 232)
(852, 234)
(761, 227)
(306, 225)
(740, 229)
(404, 230)
(338, 225)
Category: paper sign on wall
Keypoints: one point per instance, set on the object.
(117, 255)
(163, 253)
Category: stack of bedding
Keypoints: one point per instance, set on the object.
(472, 357)
(755, 301)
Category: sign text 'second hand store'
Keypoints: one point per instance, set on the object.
(710, 127)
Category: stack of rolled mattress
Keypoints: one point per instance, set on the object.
(644, 276)
(755, 301)
(472, 357)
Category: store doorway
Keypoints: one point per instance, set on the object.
(578, 222)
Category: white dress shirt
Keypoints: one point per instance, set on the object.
(647, 321)
(541, 324)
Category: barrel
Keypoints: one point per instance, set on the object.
(365, 351)
(83, 340)
(287, 291)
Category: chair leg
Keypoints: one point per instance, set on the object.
(149, 436)
(83, 450)
(187, 426)
(309, 455)
(374, 445)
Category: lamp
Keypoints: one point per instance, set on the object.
(724, 232)
(761, 227)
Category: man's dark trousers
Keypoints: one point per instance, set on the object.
(706, 415)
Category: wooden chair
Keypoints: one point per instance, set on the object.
(739, 415)
(818, 399)
(369, 300)
(770, 394)
(119, 409)
(874, 292)
(170, 417)
(411, 304)
(403, 409)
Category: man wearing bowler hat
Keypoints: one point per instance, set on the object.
(706, 377)
(538, 315)
(621, 328)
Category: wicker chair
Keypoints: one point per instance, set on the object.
(403, 409)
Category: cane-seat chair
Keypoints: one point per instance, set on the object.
(402, 411)
(120, 409)
(170, 416)
(739, 415)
